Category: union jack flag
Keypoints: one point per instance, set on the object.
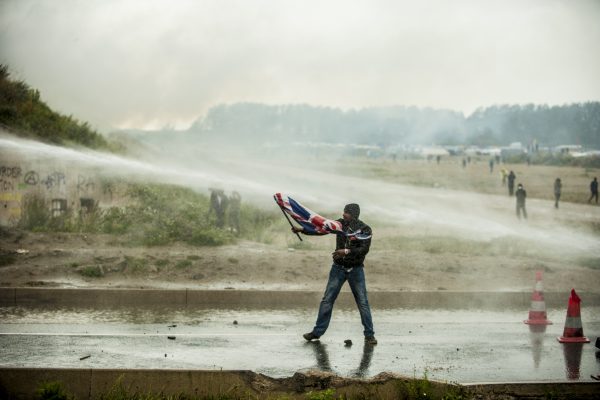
(311, 221)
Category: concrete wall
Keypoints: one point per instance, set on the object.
(50, 180)
(276, 299)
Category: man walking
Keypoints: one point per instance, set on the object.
(348, 259)
(521, 195)
(511, 183)
(557, 191)
(594, 190)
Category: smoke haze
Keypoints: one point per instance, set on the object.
(452, 213)
(126, 64)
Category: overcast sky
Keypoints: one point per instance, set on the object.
(147, 64)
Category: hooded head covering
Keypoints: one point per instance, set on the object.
(352, 209)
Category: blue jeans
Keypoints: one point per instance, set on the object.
(356, 279)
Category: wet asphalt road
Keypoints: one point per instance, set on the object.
(451, 345)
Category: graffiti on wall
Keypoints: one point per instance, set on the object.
(31, 178)
(54, 180)
(13, 178)
(16, 181)
(85, 184)
(8, 175)
(10, 172)
(11, 200)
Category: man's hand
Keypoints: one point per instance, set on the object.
(340, 253)
(296, 230)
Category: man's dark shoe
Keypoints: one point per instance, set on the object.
(370, 340)
(310, 336)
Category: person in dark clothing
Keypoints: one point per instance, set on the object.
(218, 204)
(491, 165)
(594, 190)
(235, 204)
(521, 195)
(511, 183)
(557, 191)
(348, 265)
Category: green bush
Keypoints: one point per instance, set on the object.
(158, 215)
(92, 271)
(52, 391)
(183, 264)
(35, 213)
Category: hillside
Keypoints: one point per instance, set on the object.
(23, 113)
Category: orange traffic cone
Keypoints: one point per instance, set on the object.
(537, 312)
(573, 332)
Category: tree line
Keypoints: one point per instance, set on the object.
(577, 123)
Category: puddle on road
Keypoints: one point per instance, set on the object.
(451, 345)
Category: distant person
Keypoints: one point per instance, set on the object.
(521, 195)
(218, 205)
(438, 158)
(224, 200)
(348, 265)
(491, 165)
(469, 160)
(215, 204)
(511, 183)
(235, 204)
(504, 174)
(594, 190)
(464, 163)
(557, 191)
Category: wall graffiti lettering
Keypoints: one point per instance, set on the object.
(84, 184)
(6, 185)
(54, 179)
(10, 172)
(31, 178)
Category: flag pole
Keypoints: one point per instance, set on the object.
(288, 220)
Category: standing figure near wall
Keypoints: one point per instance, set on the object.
(218, 205)
(235, 204)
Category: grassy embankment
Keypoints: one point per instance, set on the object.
(23, 113)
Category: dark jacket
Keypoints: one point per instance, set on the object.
(521, 194)
(358, 248)
(511, 178)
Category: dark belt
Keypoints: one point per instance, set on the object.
(345, 268)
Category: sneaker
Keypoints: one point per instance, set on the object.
(310, 336)
(370, 340)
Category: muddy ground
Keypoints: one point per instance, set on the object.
(405, 254)
(84, 260)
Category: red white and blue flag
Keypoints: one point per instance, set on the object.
(311, 221)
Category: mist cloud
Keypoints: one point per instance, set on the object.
(148, 64)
